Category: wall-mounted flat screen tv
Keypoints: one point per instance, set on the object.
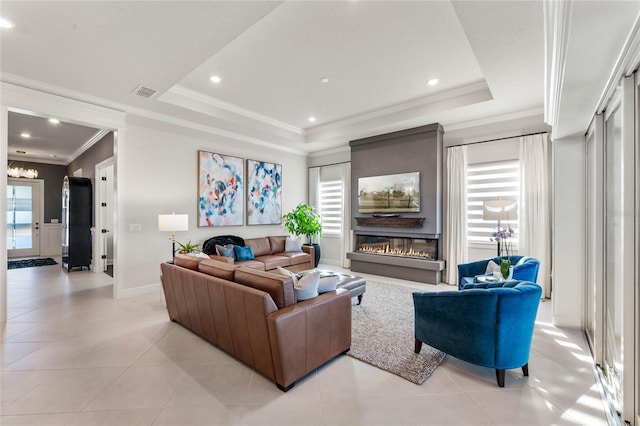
(389, 193)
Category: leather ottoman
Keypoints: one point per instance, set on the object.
(355, 284)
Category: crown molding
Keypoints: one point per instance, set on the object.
(395, 117)
(196, 101)
(466, 92)
(627, 62)
(40, 160)
(88, 144)
(21, 93)
(484, 121)
(336, 150)
(557, 23)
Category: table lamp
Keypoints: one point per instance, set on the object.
(499, 210)
(172, 223)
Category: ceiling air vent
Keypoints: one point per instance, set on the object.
(144, 92)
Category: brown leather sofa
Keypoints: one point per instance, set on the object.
(269, 254)
(253, 315)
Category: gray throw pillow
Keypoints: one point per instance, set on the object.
(292, 245)
(329, 283)
(307, 286)
(226, 251)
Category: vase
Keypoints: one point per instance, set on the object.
(505, 268)
(316, 249)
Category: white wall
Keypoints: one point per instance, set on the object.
(568, 233)
(157, 174)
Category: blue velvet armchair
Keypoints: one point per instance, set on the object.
(524, 269)
(491, 327)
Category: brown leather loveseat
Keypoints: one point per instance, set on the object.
(269, 253)
(253, 315)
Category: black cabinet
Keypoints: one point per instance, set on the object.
(77, 217)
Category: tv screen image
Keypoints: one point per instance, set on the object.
(397, 193)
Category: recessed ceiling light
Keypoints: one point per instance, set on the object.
(25, 135)
(433, 82)
(54, 121)
(324, 80)
(6, 24)
(312, 119)
(215, 79)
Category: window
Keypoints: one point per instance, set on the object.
(488, 181)
(331, 207)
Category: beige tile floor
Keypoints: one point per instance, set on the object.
(72, 355)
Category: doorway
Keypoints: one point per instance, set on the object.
(104, 208)
(30, 101)
(25, 200)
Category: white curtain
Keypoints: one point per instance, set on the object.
(346, 214)
(456, 229)
(535, 232)
(314, 189)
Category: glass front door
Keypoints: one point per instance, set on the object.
(24, 217)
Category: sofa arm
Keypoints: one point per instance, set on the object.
(471, 270)
(224, 259)
(306, 335)
(309, 249)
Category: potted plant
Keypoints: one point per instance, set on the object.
(188, 248)
(303, 220)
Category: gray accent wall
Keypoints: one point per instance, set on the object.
(87, 161)
(413, 150)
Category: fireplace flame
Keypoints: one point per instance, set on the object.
(388, 251)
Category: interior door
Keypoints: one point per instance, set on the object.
(24, 216)
(105, 213)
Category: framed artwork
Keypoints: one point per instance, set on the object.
(264, 193)
(220, 189)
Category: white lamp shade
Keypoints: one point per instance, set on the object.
(173, 222)
(499, 210)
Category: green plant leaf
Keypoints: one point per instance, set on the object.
(303, 220)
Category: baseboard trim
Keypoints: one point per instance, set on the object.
(568, 322)
(138, 291)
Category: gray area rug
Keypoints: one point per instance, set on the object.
(28, 263)
(383, 335)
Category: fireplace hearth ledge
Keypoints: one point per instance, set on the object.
(407, 268)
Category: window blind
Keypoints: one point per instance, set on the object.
(331, 207)
(490, 181)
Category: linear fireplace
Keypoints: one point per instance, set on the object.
(418, 248)
(407, 257)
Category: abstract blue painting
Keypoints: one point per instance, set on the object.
(264, 193)
(220, 189)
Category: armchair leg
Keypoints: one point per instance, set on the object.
(500, 377)
(418, 346)
(525, 369)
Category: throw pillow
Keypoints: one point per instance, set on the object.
(307, 286)
(328, 283)
(292, 245)
(226, 251)
(243, 253)
(492, 267)
(287, 272)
